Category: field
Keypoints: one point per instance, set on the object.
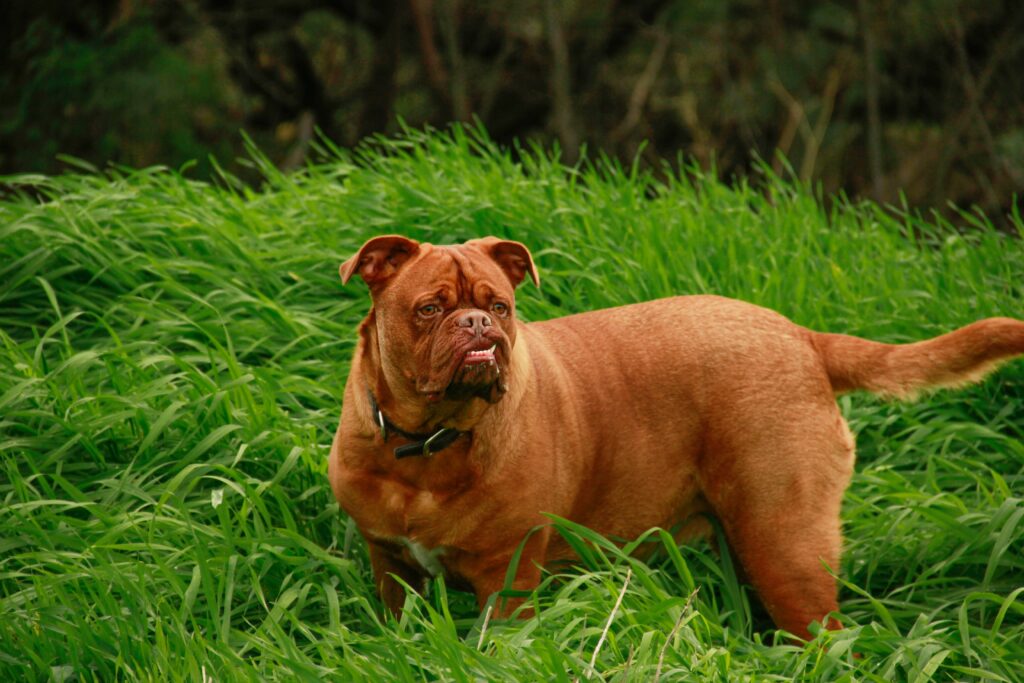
(172, 360)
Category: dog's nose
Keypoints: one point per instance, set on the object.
(475, 320)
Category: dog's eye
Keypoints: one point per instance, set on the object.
(500, 308)
(429, 311)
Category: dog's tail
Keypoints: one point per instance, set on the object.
(902, 370)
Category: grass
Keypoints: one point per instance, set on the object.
(172, 356)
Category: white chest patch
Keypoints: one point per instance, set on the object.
(428, 559)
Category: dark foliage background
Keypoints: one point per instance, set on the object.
(871, 97)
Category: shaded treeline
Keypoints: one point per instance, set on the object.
(873, 97)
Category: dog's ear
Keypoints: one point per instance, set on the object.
(379, 259)
(513, 257)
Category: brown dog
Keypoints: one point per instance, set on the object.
(461, 425)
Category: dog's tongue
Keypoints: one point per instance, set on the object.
(481, 356)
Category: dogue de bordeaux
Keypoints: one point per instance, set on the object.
(461, 425)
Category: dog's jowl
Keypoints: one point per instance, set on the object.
(461, 425)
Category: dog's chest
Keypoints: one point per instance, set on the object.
(428, 559)
(409, 521)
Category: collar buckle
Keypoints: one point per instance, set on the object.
(430, 440)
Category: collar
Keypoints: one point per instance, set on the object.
(423, 444)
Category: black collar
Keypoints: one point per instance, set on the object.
(423, 444)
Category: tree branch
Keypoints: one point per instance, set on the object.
(561, 89)
(458, 93)
(642, 89)
(874, 123)
(437, 75)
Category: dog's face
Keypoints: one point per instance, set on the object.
(445, 316)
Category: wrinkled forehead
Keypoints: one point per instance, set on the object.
(456, 273)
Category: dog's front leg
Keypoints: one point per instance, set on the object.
(385, 568)
(489, 574)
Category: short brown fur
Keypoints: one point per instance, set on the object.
(621, 420)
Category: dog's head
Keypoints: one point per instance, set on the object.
(445, 315)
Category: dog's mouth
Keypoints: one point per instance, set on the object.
(480, 357)
(465, 368)
(478, 374)
(474, 370)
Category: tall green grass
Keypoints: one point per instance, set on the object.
(173, 357)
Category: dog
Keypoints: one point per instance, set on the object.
(461, 426)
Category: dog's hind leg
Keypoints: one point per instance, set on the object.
(777, 484)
